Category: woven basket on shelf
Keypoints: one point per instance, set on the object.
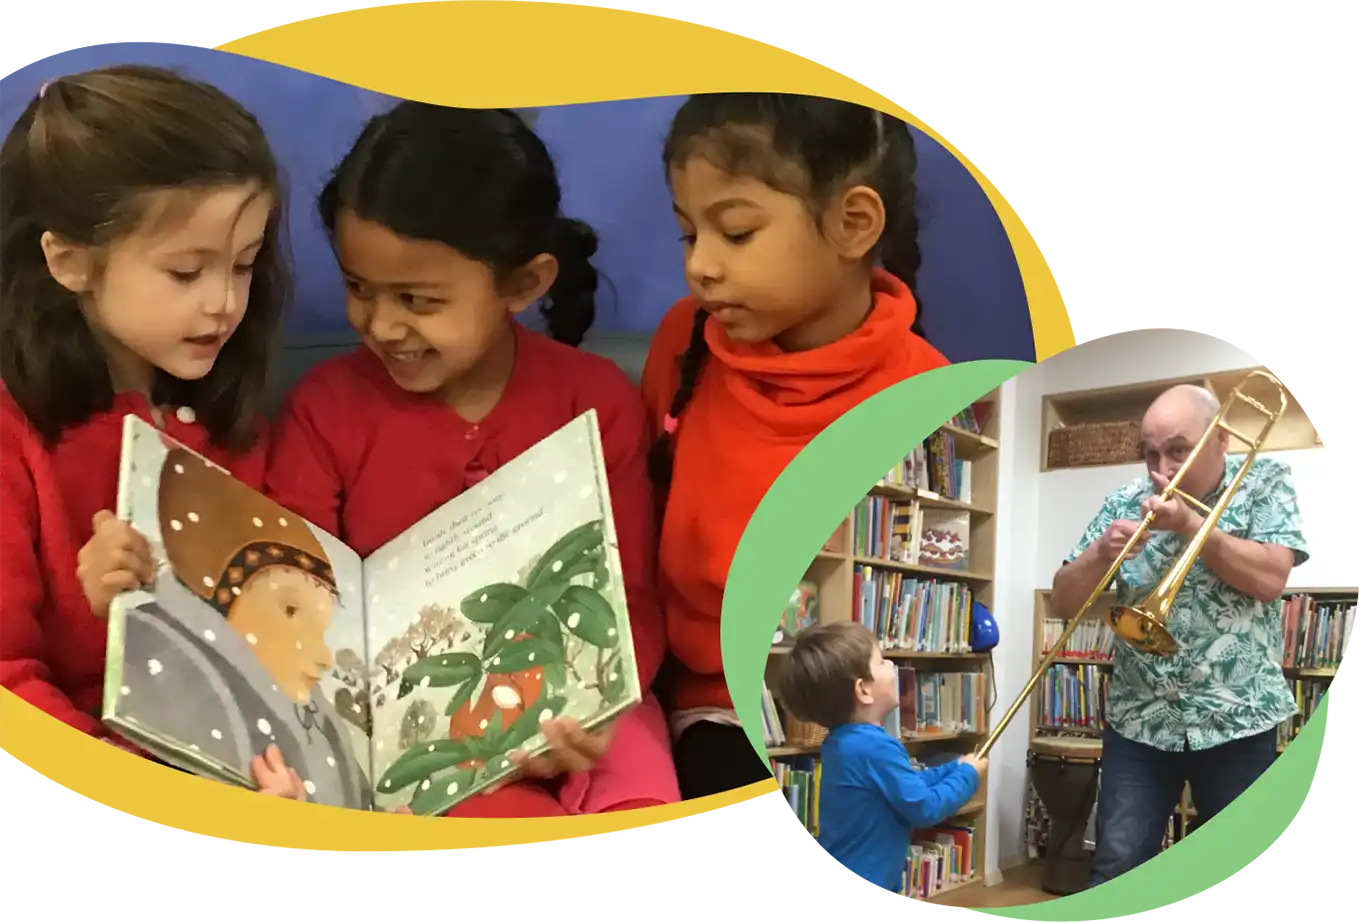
(1094, 443)
(802, 734)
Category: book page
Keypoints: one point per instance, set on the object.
(503, 608)
(242, 639)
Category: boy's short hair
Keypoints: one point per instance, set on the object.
(817, 683)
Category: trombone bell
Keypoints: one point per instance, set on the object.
(1143, 629)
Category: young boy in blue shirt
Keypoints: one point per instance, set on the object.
(871, 796)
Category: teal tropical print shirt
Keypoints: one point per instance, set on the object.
(1225, 681)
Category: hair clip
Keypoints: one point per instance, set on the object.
(670, 424)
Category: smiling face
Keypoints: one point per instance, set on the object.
(283, 613)
(431, 314)
(171, 294)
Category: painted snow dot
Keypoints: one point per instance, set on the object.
(208, 581)
(545, 715)
(505, 763)
(124, 690)
(263, 725)
(330, 760)
(431, 749)
(509, 635)
(153, 666)
(557, 566)
(259, 523)
(309, 787)
(483, 598)
(176, 524)
(273, 585)
(299, 645)
(387, 784)
(531, 657)
(585, 492)
(392, 564)
(560, 477)
(505, 696)
(612, 632)
(425, 785)
(425, 682)
(374, 600)
(209, 636)
(379, 746)
(283, 523)
(452, 788)
(252, 639)
(179, 468)
(357, 709)
(236, 590)
(574, 621)
(217, 734)
(193, 517)
(483, 725)
(147, 482)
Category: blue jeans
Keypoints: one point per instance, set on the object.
(1140, 787)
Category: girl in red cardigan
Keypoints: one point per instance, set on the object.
(140, 215)
(784, 203)
(446, 224)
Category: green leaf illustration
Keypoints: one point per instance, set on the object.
(568, 549)
(614, 684)
(588, 615)
(406, 688)
(437, 795)
(522, 654)
(443, 670)
(602, 574)
(522, 730)
(491, 739)
(490, 603)
(527, 612)
(462, 695)
(550, 630)
(422, 761)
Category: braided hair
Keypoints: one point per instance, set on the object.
(828, 143)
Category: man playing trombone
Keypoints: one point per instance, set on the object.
(1207, 713)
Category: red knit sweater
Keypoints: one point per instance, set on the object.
(364, 460)
(754, 408)
(52, 647)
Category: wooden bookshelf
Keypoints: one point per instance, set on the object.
(834, 571)
(1128, 403)
(1183, 820)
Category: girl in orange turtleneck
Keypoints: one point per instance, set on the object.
(785, 204)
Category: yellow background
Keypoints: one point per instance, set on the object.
(1155, 165)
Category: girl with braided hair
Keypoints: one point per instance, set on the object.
(785, 204)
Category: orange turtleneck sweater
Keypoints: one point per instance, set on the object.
(754, 408)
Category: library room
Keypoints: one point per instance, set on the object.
(978, 565)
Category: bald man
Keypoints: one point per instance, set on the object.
(1207, 714)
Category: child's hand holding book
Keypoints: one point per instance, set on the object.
(572, 749)
(117, 558)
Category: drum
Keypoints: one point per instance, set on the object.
(1066, 777)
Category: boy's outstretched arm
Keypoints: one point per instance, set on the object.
(921, 798)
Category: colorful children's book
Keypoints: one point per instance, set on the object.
(403, 679)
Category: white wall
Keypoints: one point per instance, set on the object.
(1044, 514)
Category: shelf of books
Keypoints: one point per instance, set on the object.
(1070, 697)
(908, 562)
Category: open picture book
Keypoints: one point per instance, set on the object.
(403, 679)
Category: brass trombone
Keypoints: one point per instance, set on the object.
(1144, 626)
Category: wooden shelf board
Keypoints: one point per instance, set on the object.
(908, 654)
(1081, 661)
(927, 499)
(776, 752)
(1323, 673)
(958, 576)
(950, 888)
(938, 737)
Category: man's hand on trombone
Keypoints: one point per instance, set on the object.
(1116, 536)
(1173, 514)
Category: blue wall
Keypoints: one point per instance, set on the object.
(608, 155)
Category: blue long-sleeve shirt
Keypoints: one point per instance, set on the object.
(871, 799)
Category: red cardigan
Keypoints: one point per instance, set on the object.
(754, 408)
(357, 456)
(52, 648)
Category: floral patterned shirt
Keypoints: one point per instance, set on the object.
(1225, 681)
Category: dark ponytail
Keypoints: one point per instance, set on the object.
(570, 307)
(662, 457)
(478, 181)
(900, 247)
